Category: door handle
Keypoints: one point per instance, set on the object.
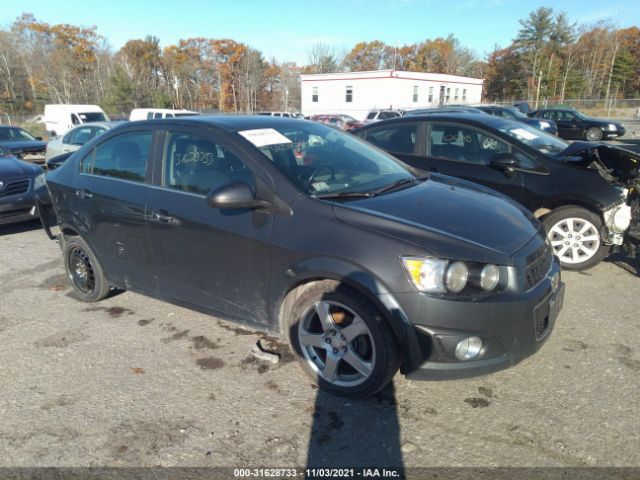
(82, 194)
(162, 216)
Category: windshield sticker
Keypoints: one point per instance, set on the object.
(262, 137)
(320, 186)
(522, 133)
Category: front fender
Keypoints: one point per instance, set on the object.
(367, 284)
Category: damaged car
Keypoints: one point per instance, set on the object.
(363, 264)
(22, 144)
(583, 193)
(19, 183)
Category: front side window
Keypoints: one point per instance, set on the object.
(464, 144)
(415, 94)
(196, 164)
(124, 156)
(397, 139)
(349, 95)
(314, 94)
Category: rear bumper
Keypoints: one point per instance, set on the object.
(18, 209)
(510, 330)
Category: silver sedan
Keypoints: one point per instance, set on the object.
(76, 138)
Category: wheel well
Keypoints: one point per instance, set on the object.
(69, 232)
(548, 208)
(297, 290)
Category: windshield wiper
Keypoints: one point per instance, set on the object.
(345, 195)
(398, 184)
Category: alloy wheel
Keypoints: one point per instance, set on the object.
(574, 240)
(336, 343)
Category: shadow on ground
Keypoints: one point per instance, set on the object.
(20, 227)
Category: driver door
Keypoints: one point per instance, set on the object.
(567, 124)
(207, 257)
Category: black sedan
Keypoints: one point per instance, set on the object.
(574, 125)
(582, 192)
(22, 144)
(300, 229)
(19, 182)
(513, 113)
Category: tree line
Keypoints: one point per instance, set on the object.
(550, 58)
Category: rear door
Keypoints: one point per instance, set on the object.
(205, 257)
(110, 198)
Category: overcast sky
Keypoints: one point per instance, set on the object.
(287, 29)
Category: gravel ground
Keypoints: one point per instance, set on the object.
(132, 381)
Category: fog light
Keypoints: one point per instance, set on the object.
(468, 348)
(555, 281)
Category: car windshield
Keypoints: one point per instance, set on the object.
(323, 161)
(516, 113)
(93, 117)
(15, 134)
(541, 141)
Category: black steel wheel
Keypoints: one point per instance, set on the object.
(84, 270)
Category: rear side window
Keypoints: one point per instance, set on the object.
(124, 156)
(371, 115)
(398, 138)
(197, 164)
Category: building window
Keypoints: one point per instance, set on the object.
(430, 94)
(314, 94)
(349, 95)
(448, 96)
(464, 94)
(415, 94)
(455, 97)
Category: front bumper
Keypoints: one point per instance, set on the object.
(20, 208)
(608, 134)
(512, 326)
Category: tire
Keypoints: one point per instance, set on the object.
(365, 340)
(575, 236)
(593, 134)
(84, 271)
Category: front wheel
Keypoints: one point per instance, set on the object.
(593, 134)
(574, 233)
(342, 341)
(84, 271)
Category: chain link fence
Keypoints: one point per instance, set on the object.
(625, 108)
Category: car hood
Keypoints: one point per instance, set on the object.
(448, 217)
(615, 164)
(22, 146)
(12, 167)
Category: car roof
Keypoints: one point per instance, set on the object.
(462, 117)
(111, 123)
(230, 123)
(6, 127)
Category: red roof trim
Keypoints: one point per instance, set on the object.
(394, 78)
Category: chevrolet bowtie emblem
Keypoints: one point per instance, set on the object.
(1, 185)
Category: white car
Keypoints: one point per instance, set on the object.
(76, 138)
(155, 113)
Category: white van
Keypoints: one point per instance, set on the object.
(152, 113)
(60, 118)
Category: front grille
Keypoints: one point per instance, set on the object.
(15, 188)
(538, 265)
(15, 213)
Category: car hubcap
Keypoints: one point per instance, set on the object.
(574, 240)
(81, 270)
(336, 343)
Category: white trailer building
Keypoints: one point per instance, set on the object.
(356, 93)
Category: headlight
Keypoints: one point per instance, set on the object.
(545, 125)
(618, 219)
(39, 181)
(435, 275)
(612, 127)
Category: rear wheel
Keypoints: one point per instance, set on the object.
(342, 341)
(593, 134)
(574, 233)
(84, 270)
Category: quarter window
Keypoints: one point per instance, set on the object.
(314, 94)
(196, 164)
(349, 95)
(124, 156)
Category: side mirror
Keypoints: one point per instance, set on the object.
(504, 161)
(235, 195)
(39, 138)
